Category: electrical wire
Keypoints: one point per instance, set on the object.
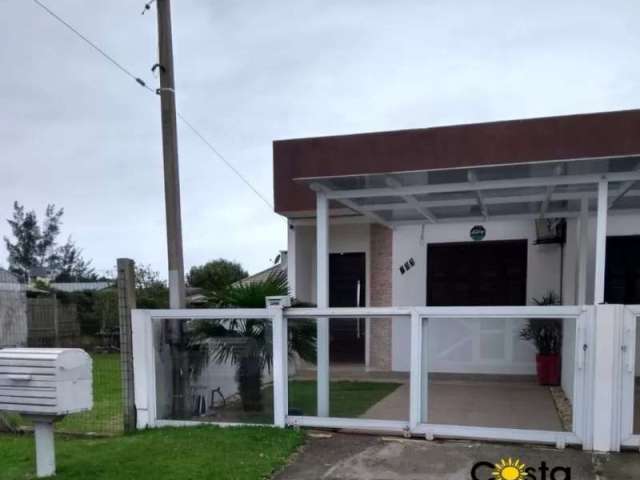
(143, 84)
(221, 157)
(92, 45)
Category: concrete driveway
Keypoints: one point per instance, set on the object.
(333, 456)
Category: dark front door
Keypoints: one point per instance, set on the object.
(622, 272)
(477, 273)
(347, 289)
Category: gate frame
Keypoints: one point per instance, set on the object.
(628, 333)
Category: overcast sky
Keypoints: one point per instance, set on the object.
(76, 132)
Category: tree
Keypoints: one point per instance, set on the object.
(68, 264)
(247, 343)
(151, 292)
(147, 277)
(36, 246)
(216, 275)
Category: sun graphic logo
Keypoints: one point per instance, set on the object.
(510, 470)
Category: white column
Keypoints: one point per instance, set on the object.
(45, 448)
(416, 413)
(601, 240)
(280, 358)
(606, 388)
(291, 259)
(322, 296)
(582, 239)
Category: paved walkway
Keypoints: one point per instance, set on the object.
(363, 457)
(477, 403)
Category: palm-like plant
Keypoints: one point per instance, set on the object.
(545, 333)
(247, 343)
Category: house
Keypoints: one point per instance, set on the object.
(279, 267)
(70, 287)
(451, 216)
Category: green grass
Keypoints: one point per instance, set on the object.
(240, 453)
(106, 415)
(346, 399)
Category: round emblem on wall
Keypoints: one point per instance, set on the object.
(477, 232)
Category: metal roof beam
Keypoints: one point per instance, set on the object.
(473, 180)
(412, 201)
(547, 200)
(352, 205)
(624, 189)
(463, 202)
(485, 185)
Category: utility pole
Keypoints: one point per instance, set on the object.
(173, 328)
(170, 155)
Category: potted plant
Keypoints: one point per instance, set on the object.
(546, 335)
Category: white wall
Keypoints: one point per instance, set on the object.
(346, 238)
(543, 274)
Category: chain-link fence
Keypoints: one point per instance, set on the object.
(80, 317)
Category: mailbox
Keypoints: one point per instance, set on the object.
(45, 384)
(45, 381)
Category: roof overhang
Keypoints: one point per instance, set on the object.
(535, 190)
(522, 167)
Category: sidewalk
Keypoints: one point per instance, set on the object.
(338, 456)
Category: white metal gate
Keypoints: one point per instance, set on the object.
(418, 422)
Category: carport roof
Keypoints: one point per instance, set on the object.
(418, 163)
(534, 190)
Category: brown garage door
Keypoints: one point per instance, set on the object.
(477, 273)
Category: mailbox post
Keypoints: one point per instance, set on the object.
(44, 385)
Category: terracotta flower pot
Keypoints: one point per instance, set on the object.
(548, 368)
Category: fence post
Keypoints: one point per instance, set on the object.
(415, 379)
(126, 303)
(275, 306)
(56, 321)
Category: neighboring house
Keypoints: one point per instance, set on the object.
(195, 297)
(279, 266)
(451, 216)
(81, 286)
(39, 274)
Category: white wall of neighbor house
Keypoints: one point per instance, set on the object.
(490, 346)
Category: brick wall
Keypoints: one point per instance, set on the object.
(381, 239)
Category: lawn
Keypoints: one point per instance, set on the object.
(346, 399)
(240, 453)
(106, 415)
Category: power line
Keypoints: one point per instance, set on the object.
(221, 157)
(92, 45)
(142, 83)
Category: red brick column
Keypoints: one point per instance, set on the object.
(381, 240)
